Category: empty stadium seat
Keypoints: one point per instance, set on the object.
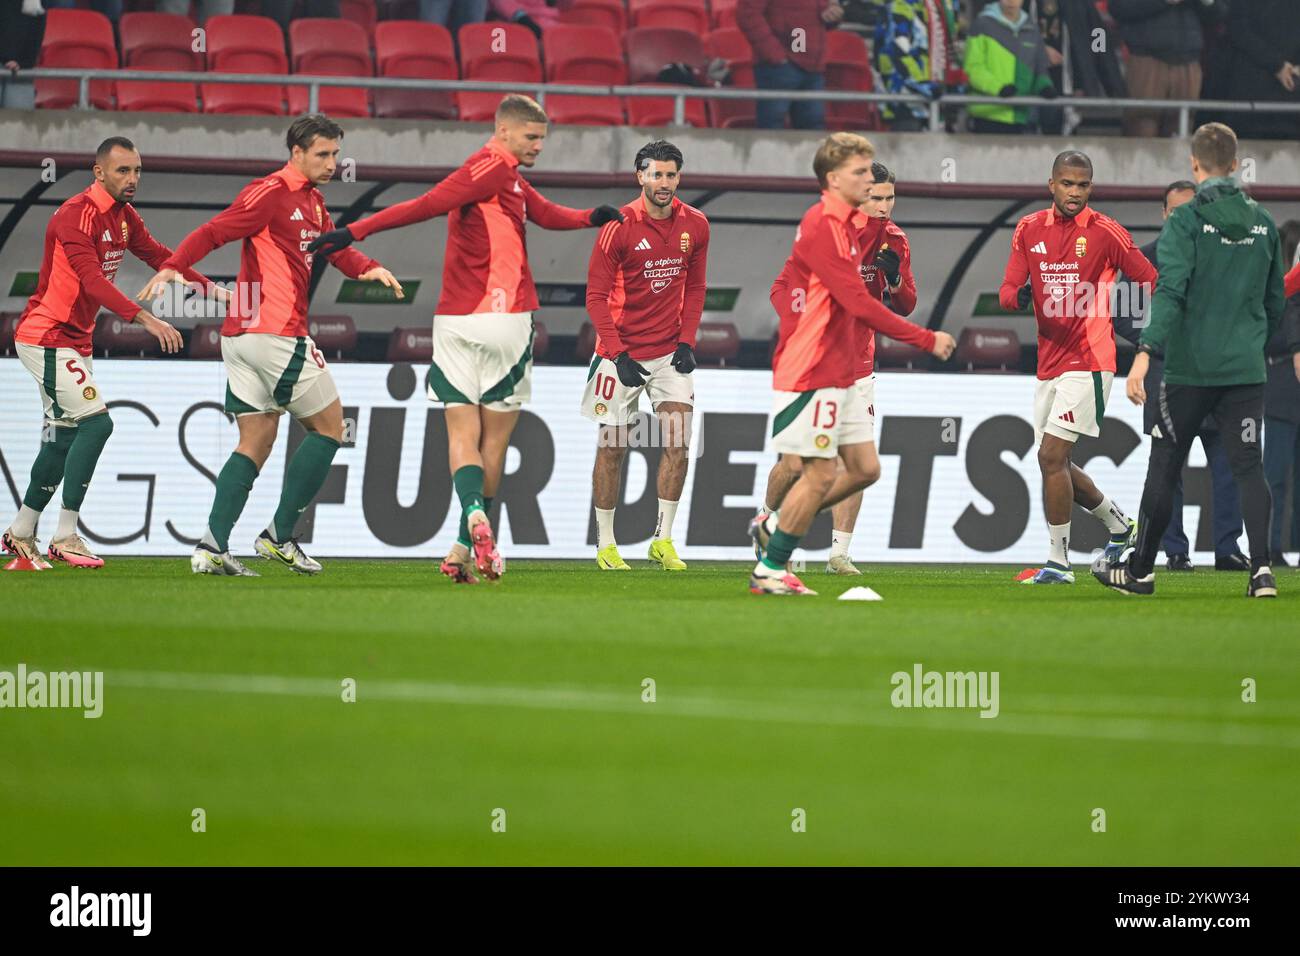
(479, 107)
(411, 344)
(848, 67)
(240, 43)
(584, 54)
(81, 39)
(139, 96)
(724, 14)
(113, 336)
(717, 343)
(670, 14)
(499, 51)
(158, 41)
(205, 341)
(360, 12)
(606, 13)
(325, 47)
(333, 334)
(899, 356)
(988, 350)
(734, 48)
(419, 50)
(649, 50)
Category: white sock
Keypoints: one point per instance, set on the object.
(1112, 516)
(67, 523)
(604, 528)
(770, 522)
(1058, 544)
(208, 541)
(840, 543)
(24, 525)
(667, 514)
(763, 571)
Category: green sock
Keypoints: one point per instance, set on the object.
(91, 435)
(47, 470)
(779, 549)
(233, 485)
(469, 488)
(302, 481)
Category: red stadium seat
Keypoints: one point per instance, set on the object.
(499, 51)
(159, 41)
(360, 12)
(324, 47)
(604, 13)
(116, 337)
(724, 14)
(988, 350)
(138, 96)
(411, 344)
(848, 67)
(81, 39)
(717, 343)
(649, 50)
(333, 334)
(419, 50)
(479, 107)
(585, 110)
(732, 46)
(670, 14)
(899, 356)
(205, 341)
(244, 44)
(582, 54)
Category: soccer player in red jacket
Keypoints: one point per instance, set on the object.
(483, 325)
(645, 295)
(1071, 255)
(85, 241)
(821, 300)
(272, 364)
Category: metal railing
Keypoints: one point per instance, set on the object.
(679, 94)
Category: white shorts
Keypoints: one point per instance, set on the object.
(66, 380)
(484, 359)
(858, 420)
(808, 424)
(276, 373)
(1071, 404)
(610, 402)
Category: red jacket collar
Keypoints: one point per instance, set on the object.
(511, 160)
(292, 178)
(1084, 217)
(100, 197)
(837, 208)
(638, 211)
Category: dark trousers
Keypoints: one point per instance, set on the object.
(1282, 460)
(1225, 509)
(804, 114)
(1238, 412)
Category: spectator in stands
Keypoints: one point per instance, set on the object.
(1165, 39)
(1282, 409)
(1265, 40)
(22, 25)
(911, 53)
(1051, 26)
(109, 8)
(537, 15)
(282, 11)
(204, 8)
(789, 42)
(1006, 56)
(453, 14)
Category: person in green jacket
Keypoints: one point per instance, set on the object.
(1005, 56)
(1218, 299)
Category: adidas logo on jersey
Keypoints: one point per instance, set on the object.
(1067, 417)
(643, 246)
(1039, 247)
(106, 237)
(296, 216)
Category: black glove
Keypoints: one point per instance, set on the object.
(1008, 90)
(1050, 93)
(330, 242)
(1024, 295)
(684, 359)
(603, 214)
(630, 372)
(888, 262)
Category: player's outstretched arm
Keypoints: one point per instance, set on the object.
(606, 260)
(154, 254)
(383, 277)
(550, 215)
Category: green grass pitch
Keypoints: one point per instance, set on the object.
(526, 697)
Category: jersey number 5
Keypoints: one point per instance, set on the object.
(71, 366)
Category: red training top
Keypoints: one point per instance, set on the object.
(902, 300)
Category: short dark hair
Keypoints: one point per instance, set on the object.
(517, 108)
(304, 130)
(107, 146)
(880, 173)
(660, 150)
(1214, 147)
(1178, 187)
(1071, 157)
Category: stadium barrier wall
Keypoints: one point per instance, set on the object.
(960, 483)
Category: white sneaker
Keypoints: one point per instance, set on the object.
(840, 564)
(28, 548)
(288, 553)
(203, 561)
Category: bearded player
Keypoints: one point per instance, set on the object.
(483, 326)
(645, 295)
(85, 242)
(1070, 255)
